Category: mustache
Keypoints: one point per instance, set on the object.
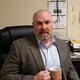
(44, 31)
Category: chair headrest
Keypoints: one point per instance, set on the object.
(11, 33)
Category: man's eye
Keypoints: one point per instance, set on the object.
(47, 22)
(39, 23)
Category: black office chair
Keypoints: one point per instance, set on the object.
(8, 35)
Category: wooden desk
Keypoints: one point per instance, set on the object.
(76, 62)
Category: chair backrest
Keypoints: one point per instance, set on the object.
(8, 35)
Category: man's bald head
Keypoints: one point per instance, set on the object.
(40, 13)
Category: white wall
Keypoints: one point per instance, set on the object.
(74, 19)
(15, 12)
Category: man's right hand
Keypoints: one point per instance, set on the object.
(43, 75)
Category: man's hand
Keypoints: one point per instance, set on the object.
(43, 75)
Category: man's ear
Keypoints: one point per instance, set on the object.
(33, 23)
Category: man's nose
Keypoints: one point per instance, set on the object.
(43, 25)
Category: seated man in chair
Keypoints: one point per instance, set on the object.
(30, 58)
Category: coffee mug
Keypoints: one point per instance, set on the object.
(56, 73)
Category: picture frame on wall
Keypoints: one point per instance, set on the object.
(58, 10)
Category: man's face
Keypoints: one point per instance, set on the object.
(42, 25)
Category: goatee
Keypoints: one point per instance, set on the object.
(44, 36)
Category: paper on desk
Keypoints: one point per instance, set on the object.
(75, 55)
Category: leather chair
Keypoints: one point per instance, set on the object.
(8, 35)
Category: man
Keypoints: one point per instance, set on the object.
(30, 58)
